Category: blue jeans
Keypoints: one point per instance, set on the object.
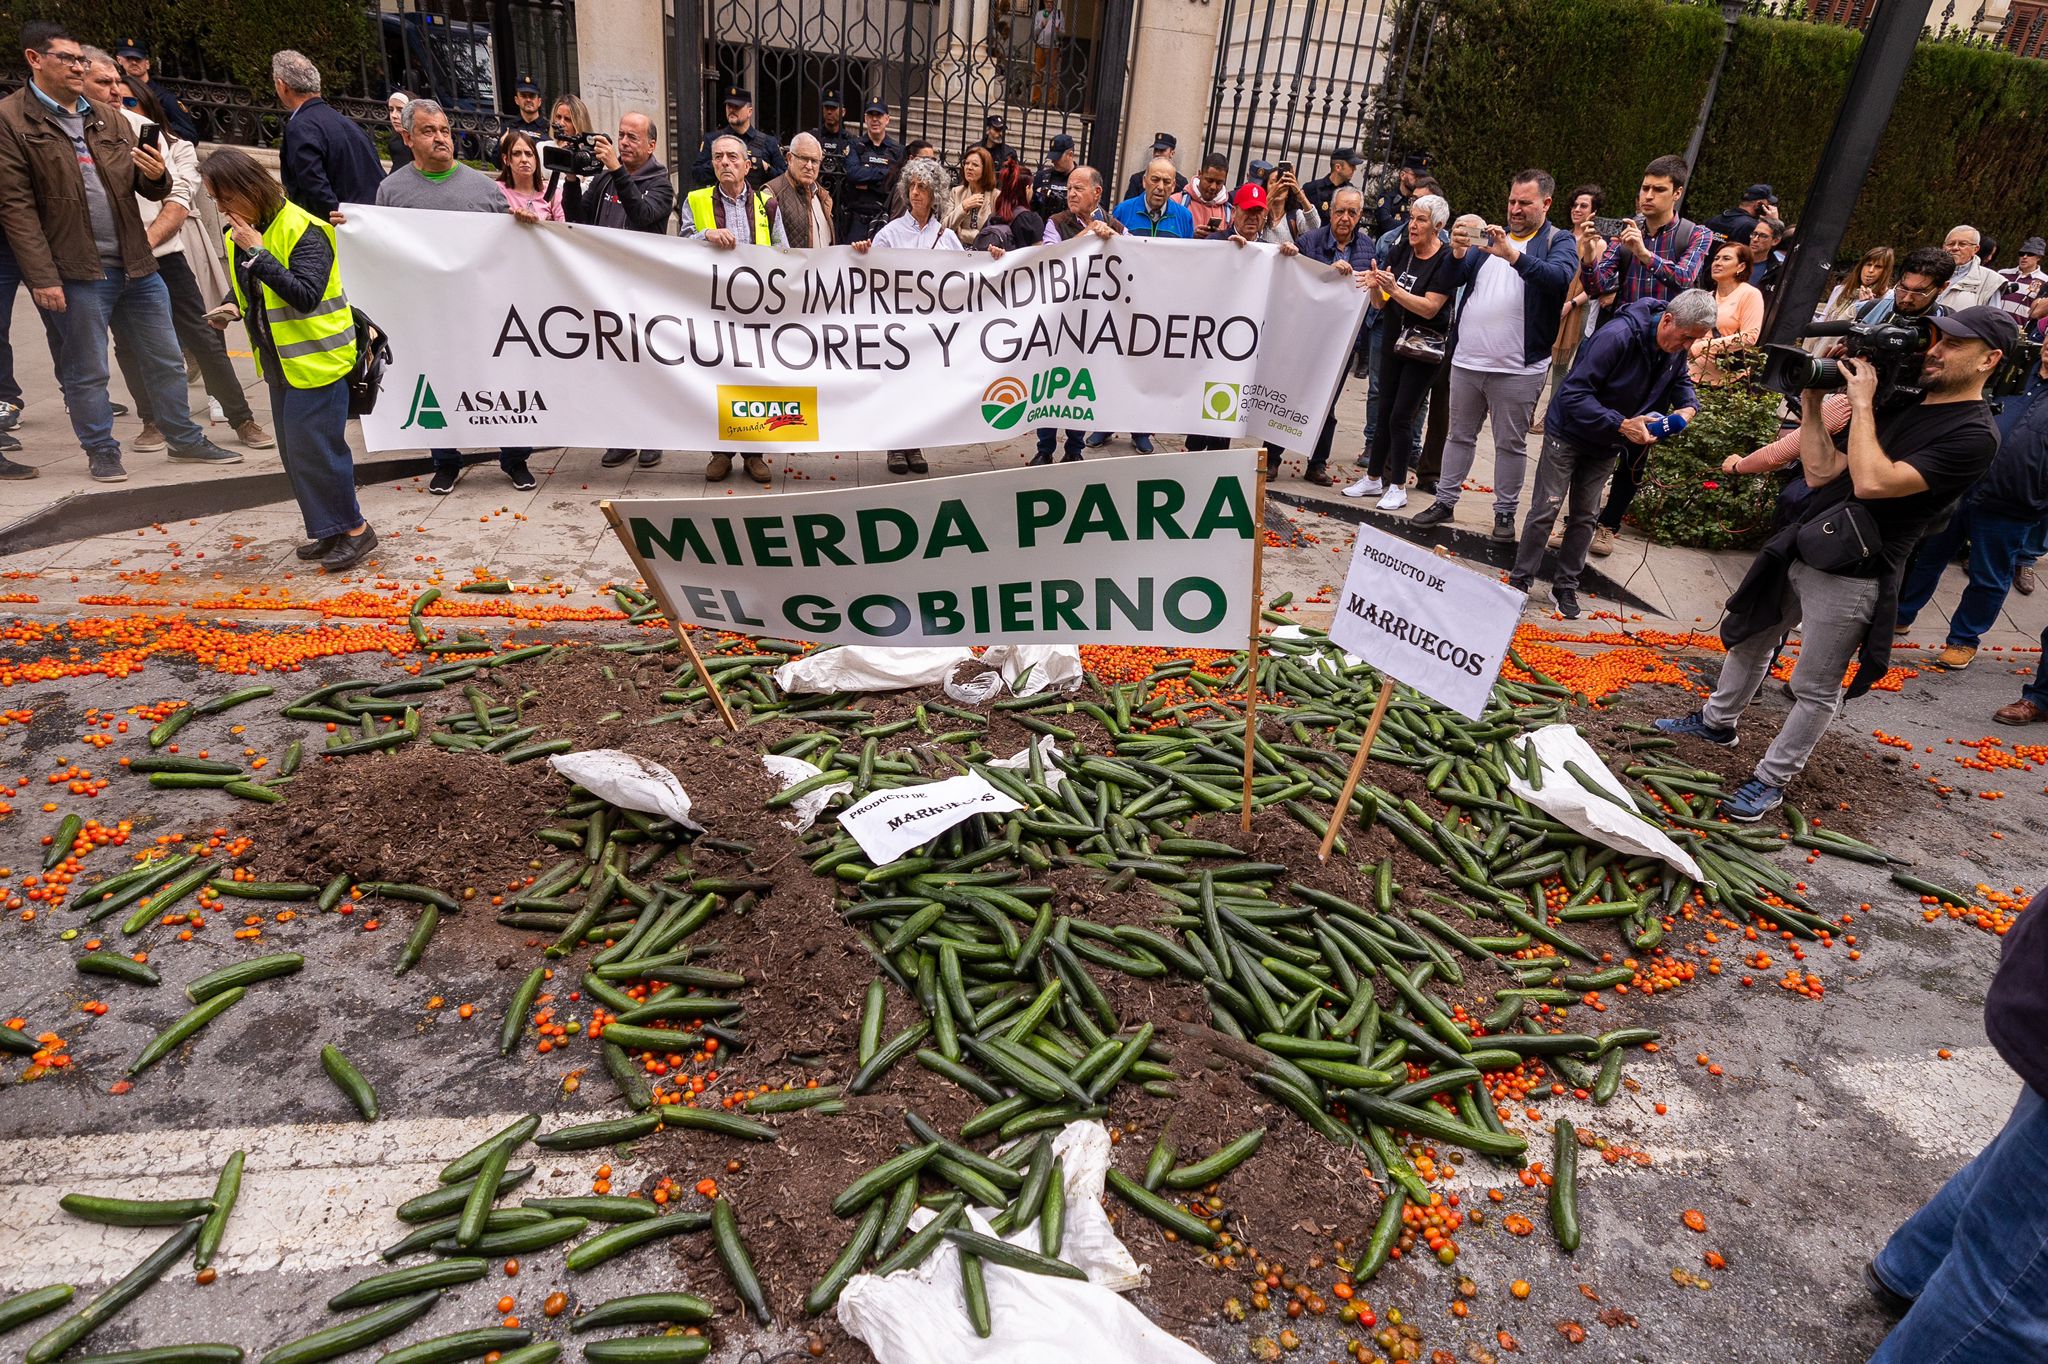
(1049, 435)
(2031, 553)
(312, 440)
(1995, 547)
(1975, 1258)
(509, 458)
(10, 285)
(138, 311)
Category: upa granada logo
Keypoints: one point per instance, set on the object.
(777, 414)
(1056, 394)
(1002, 402)
(474, 407)
(1220, 401)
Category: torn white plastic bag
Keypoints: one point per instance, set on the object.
(919, 1316)
(866, 667)
(1020, 761)
(807, 807)
(1573, 805)
(628, 781)
(1032, 668)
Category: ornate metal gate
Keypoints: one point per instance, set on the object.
(465, 54)
(1299, 79)
(943, 66)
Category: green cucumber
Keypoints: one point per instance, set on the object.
(619, 1240)
(119, 967)
(175, 1036)
(399, 1283)
(243, 973)
(460, 1345)
(112, 1299)
(356, 1333)
(738, 1264)
(642, 1309)
(135, 1212)
(350, 1081)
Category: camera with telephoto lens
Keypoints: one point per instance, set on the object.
(574, 155)
(1895, 348)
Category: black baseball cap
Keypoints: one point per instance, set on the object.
(995, 121)
(1165, 142)
(1761, 191)
(1062, 144)
(830, 100)
(738, 94)
(1348, 155)
(132, 47)
(525, 86)
(876, 106)
(1995, 327)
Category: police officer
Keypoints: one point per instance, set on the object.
(526, 99)
(837, 141)
(868, 167)
(1049, 186)
(764, 151)
(134, 59)
(992, 130)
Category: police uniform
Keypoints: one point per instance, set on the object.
(838, 148)
(183, 126)
(867, 182)
(762, 147)
(536, 128)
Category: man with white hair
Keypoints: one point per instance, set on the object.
(1974, 284)
(800, 197)
(1628, 372)
(327, 161)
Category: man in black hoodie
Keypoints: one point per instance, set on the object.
(1968, 1273)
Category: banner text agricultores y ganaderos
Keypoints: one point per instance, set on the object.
(507, 333)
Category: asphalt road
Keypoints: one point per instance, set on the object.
(1832, 1119)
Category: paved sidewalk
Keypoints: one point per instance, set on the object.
(555, 534)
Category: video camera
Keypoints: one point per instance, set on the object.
(574, 155)
(1895, 348)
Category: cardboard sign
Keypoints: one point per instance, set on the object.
(890, 823)
(1439, 627)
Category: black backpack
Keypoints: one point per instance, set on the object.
(373, 357)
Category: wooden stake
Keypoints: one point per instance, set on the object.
(668, 609)
(1372, 730)
(1251, 654)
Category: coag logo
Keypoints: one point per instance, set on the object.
(1058, 394)
(1220, 401)
(426, 408)
(1002, 402)
(777, 414)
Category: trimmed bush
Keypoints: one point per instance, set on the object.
(1593, 89)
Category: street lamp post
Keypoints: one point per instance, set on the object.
(1731, 12)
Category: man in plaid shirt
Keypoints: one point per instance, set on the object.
(1657, 254)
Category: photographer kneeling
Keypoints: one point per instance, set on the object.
(1898, 473)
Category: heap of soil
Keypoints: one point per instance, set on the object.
(418, 813)
(1845, 786)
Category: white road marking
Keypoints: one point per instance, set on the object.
(314, 1196)
(1946, 1108)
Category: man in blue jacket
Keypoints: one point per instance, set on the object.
(1628, 371)
(1513, 285)
(327, 161)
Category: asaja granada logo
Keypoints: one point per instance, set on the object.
(426, 408)
(776, 414)
(1056, 394)
(475, 407)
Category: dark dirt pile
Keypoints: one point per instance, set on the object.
(418, 813)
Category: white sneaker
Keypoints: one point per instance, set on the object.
(213, 410)
(1366, 487)
(1395, 499)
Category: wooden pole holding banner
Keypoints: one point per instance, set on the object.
(1251, 653)
(1372, 731)
(668, 609)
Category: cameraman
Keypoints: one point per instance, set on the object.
(1898, 473)
(631, 189)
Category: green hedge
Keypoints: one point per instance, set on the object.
(1599, 87)
(236, 37)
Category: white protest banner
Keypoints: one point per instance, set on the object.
(1136, 550)
(890, 823)
(1437, 626)
(509, 333)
